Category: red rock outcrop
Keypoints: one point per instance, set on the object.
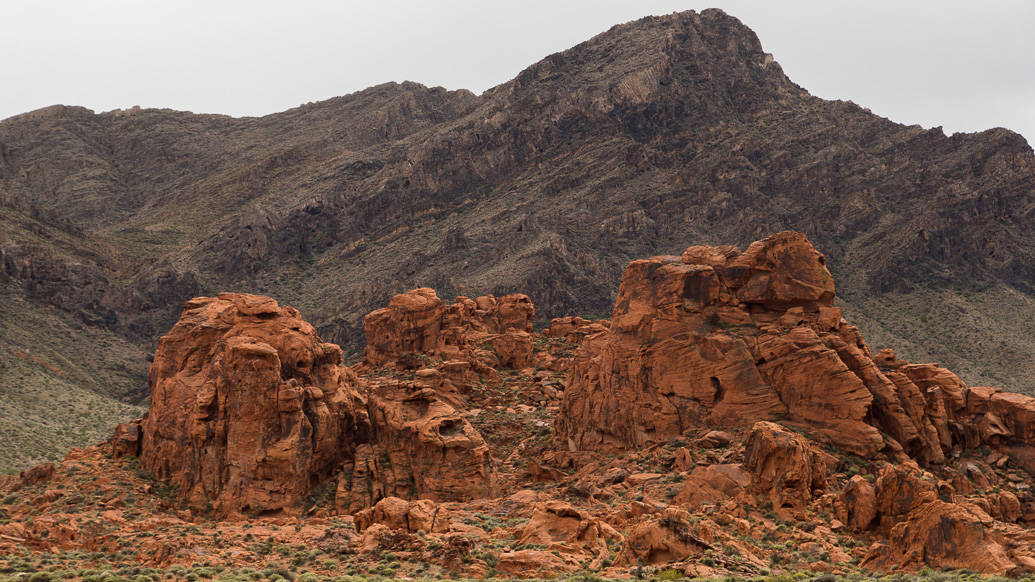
(724, 337)
(860, 501)
(126, 440)
(534, 563)
(721, 384)
(250, 411)
(786, 467)
(668, 538)
(949, 535)
(943, 535)
(560, 526)
(400, 514)
(412, 322)
(422, 447)
(712, 484)
(899, 491)
(925, 524)
(419, 322)
(574, 328)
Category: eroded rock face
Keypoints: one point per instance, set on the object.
(412, 322)
(574, 328)
(535, 563)
(712, 484)
(950, 536)
(786, 466)
(723, 337)
(668, 538)
(422, 447)
(557, 524)
(860, 501)
(250, 412)
(418, 322)
(249, 409)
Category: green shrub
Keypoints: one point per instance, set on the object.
(670, 574)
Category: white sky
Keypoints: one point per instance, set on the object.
(963, 65)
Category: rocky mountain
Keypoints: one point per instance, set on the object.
(653, 133)
(727, 422)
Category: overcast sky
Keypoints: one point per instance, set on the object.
(966, 66)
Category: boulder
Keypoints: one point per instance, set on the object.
(535, 563)
(899, 491)
(513, 348)
(712, 484)
(786, 467)
(37, 474)
(945, 536)
(559, 522)
(126, 440)
(575, 329)
(1009, 507)
(668, 538)
(399, 514)
(513, 312)
(714, 439)
(860, 501)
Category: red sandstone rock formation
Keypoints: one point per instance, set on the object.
(535, 563)
(422, 447)
(559, 525)
(574, 328)
(419, 322)
(400, 514)
(712, 484)
(926, 525)
(785, 466)
(716, 337)
(729, 338)
(860, 501)
(670, 537)
(724, 337)
(250, 411)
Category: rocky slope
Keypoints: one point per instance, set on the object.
(727, 420)
(652, 133)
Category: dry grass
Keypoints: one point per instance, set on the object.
(60, 382)
(982, 336)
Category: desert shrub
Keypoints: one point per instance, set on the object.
(670, 574)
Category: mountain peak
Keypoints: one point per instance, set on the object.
(702, 59)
